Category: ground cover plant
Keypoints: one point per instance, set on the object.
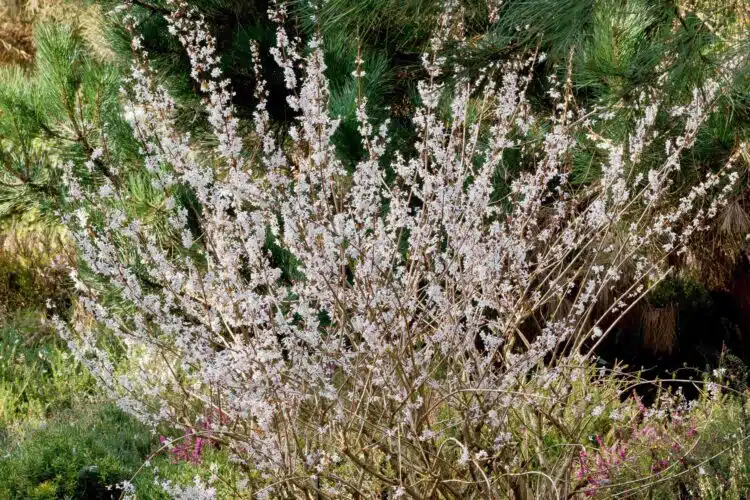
(412, 307)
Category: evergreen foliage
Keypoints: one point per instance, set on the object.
(56, 114)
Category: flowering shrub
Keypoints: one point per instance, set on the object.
(396, 352)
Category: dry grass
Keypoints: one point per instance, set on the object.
(16, 34)
(34, 261)
(660, 328)
(712, 257)
(19, 16)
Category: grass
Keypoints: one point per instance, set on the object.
(59, 438)
(38, 377)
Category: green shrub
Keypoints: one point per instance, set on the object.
(77, 455)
